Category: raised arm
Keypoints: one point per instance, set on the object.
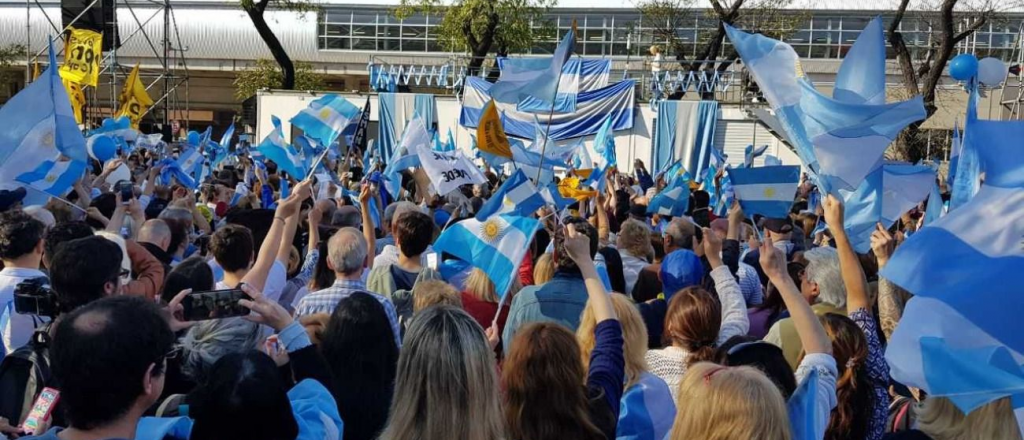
(734, 308)
(577, 245)
(284, 248)
(365, 194)
(849, 264)
(891, 298)
(812, 334)
(289, 207)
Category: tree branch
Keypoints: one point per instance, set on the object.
(981, 21)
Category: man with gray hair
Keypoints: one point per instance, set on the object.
(346, 256)
(155, 236)
(821, 284)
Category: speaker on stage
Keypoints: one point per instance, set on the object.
(100, 18)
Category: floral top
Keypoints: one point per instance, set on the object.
(878, 372)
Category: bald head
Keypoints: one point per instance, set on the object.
(157, 232)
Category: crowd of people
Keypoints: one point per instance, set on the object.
(620, 324)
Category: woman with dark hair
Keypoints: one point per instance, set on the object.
(753, 352)
(696, 322)
(360, 349)
(543, 371)
(193, 273)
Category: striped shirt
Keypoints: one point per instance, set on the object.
(326, 300)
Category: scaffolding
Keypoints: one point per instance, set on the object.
(1012, 105)
(167, 83)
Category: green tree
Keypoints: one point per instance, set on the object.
(255, 10)
(663, 20)
(8, 55)
(941, 29)
(481, 27)
(268, 75)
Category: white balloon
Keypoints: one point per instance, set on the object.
(991, 71)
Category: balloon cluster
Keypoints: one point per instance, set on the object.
(989, 71)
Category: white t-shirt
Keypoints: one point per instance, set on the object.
(272, 289)
(389, 256)
(16, 328)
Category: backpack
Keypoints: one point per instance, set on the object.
(23, 375)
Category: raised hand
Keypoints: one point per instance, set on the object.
(883, 244)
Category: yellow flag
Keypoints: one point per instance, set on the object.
(134, 99)
(82, 54)
(490, 134)
(76, 95)
(568, 187)
(35, 71)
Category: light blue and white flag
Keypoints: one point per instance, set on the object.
(750, 153)
(326, 117)
(415, 137)
(883, 197)
(37, 125)
(495, 246)
(967, 180)
(935, 206)
(646, 411)
(604, 144)
(54, 177)
(553, 197)
(394, 112)
(578, 75)
(535, 78)
(767, 191)
(276, 149)
(961, 336)
(839, 139)
(725, 197)
(597, 179)
(674, 200)
(517, 196)
(451, 141)
(172, 169)
(954, 153)
(190, 161)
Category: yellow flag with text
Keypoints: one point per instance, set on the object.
(490, 134)
(76, 95)
(82, 54)
(134, 99)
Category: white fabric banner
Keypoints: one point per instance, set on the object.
(449, 170)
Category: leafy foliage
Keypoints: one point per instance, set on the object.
(9, 54)
(266, 74)
(480, 27)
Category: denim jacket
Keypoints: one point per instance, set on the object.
(560, 300)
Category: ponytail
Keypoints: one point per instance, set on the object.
(854, 391)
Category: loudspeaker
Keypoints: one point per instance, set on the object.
(100, 18)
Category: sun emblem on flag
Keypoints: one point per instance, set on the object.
(769, 192)
(492, 230)
(325, 113)
(50, 178)
(508, 202)
(47, 139)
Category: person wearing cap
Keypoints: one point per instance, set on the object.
(10, 199)
(781, 232)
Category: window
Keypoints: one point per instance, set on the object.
(364, 44)
(409, 45)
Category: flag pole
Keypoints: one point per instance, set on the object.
(551, 113)
(84, 211)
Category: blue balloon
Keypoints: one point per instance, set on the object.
(122, 122)
(108, 124)
(963, 67)
(103, 147)
(193, 138)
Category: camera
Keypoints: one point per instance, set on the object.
(35, 297)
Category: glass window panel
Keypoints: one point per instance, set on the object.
(414, 31)
(415, 19)
(392, 44)
(337, 43)
(364, 31)
(338, 30)
(595, 35)
(619, 49)
(414, 45)
(823, 51)
(1002, 40)
(850, 37)
(854, 23)
(338, 17)
(364, 18)
(820, 22)
(801, 49)
(687, 35)
(364, 44)
(544, 48)
(392, 31)
(434, 46)
(799, 37)
(594, 48)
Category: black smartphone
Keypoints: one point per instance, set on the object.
(214, 304)
(127, 191)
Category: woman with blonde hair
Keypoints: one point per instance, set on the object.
(634, 244)
(728, 403)
(543, 269)
(481, 301)
(937, 418)
(446, 386)
(647, 409)
(549, 395)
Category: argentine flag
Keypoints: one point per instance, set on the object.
(495, 246)
(673, 201)
(190, 161)
(38, 125)
(768, 191)
(842, 138)
(326, 118)
(516, 196)
(53, 177)
(883, 197)
(276, 149)
(961, 335)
